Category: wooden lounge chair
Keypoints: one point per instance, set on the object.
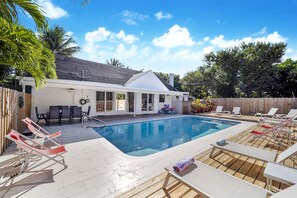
(219, 109)
(211, 182)
(271, 113)
(257, 153)
(31, 148)
(40, 132)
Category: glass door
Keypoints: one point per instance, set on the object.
(131, 101)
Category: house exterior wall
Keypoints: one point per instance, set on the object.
(51, 96)
(148, 81)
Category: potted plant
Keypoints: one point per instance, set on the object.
(197, 106)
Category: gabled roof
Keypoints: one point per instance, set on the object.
(70, 68)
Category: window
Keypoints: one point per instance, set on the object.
(162, 98)
(104, 101)
(120, 102)
(109, 101)
(151, 102)
(147, 102)
(100, 101)
(144, 102)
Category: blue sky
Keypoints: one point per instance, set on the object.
(170, 36)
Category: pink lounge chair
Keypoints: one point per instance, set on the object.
(39, 132)
(31, 148)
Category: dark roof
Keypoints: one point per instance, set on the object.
(70, 68)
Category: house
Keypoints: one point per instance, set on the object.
(109, 90)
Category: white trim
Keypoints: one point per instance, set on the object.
(56, 83)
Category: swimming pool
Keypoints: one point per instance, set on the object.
(145, 138)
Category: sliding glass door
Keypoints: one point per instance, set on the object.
(147, 102)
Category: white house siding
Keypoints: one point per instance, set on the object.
(50, 96)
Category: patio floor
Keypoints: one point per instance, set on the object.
(97, 169)
(243, 167)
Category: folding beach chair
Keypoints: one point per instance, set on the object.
(40, 132)
(276, 132)
(31, 148)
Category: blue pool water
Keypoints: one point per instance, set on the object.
(145, 138)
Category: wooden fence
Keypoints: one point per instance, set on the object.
(11, 114)
(250, 106)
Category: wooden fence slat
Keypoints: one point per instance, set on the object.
(11, 114)
(250, 106)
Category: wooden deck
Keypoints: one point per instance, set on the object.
(239, 166)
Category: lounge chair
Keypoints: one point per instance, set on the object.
(281, 173)
(40, 132)
(256, 153)
(211, 182)
(32, 148)
(219, 109)
(271, 113)
(236, 111)
(274, 132)
(291, 116)
(287, 193)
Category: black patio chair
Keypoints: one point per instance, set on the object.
(87, 113)
(77, 113)
(54, 114)
(65, 114)
(71, 108)
(40, 116)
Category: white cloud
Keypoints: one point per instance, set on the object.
(99, 35)
(131, 17)
(262, 31)
(160, 15)
(123, 53)
(205, 39)
(69, 33)
(207, 50)
(52, 11)
(219, 41)
(177, 36)
(129, 39)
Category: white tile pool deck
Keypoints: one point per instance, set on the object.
(98, 169)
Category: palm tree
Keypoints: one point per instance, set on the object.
(115, 62)
(9, 11)
(22, 50)
(59, 42)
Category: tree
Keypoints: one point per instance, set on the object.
(284, 79)
(259, 60)
(165, 77)
(22, 50)
(249, 70)
(59, 42)
(9, 11)
(115, 62)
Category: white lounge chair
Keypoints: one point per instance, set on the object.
(236, 111)
(290, 192)
(271, 113)
(257, 153)
(211, 182)
(291, 116)
(219, 109)
(281, 173)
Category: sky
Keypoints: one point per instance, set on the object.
(170, 36)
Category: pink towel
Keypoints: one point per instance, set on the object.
(183, 164)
